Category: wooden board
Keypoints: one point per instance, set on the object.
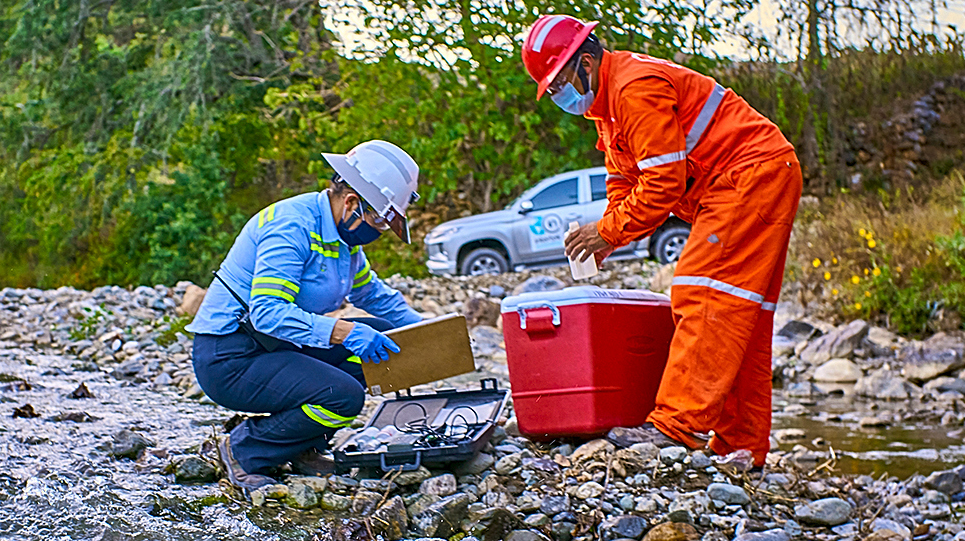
(433, 349)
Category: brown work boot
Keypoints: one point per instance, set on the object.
(236, 474)
(645, 433)
(311, 462)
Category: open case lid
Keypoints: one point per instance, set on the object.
(585, 295)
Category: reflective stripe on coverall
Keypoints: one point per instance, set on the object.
(676, 141)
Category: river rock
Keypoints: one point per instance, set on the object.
(476, 465)
(391, 520)
(414, 477)
(883, 384)
(826, 512)
(937, 356)
(333, 502)
(590, 489)
(539, 284)
(128, 444)
(839, 343)
(191, 301)
(365, 502)
(673, 455)
(419, 503)
(946, 482)
(301, 497)
(555, 504)
(487, 341)
(880, 342)
(883, 524)
(885, 535)
(729, 494)
(838, 371)
(672, 531)
(318, 484)
(597, 449)
(442, 485)
(695, 503)
(526, 535)
(767, 535)
(623, 526)
(480, 311)
(194, 469)
(442, 518)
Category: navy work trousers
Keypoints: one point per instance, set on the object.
(308, 392)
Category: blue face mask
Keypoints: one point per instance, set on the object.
(571, 101)
(363, 234)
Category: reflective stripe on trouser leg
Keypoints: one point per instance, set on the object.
(326, 417)
(749, 215)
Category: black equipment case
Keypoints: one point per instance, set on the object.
(409, 431)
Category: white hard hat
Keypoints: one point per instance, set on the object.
(385, 176)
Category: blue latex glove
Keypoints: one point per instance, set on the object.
(369, 344)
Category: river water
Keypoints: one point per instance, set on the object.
(58, 480)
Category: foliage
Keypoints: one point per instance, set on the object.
(173, 326)
(89, 322)
(902, 265)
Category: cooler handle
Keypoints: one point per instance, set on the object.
(401, 467)
(521, 309)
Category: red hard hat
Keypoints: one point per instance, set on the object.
(551, 42)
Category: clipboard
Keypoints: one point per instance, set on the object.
(431, 350)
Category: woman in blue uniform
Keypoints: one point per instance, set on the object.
(294, 261)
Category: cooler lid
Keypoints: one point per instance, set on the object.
(585, 295)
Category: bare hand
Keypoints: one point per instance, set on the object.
(584, 242)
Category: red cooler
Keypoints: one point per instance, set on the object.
(584, 359)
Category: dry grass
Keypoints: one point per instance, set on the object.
(845, 248)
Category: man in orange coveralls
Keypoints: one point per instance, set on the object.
(676, 141)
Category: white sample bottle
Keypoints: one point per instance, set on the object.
(587, 268)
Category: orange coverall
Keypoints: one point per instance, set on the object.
(676, 141)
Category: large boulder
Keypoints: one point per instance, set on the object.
(839, 343)
(939, 355)
(191, 301)
(838, 371)
(885, 384)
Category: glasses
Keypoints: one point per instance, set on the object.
(560, 81)
(379, 222)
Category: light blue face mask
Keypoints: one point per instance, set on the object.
(571, 101)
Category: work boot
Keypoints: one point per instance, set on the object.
(311, 462)
(645, 433)
(236, 474)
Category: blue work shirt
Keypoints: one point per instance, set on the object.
(292, 266)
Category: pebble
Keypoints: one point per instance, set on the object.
(826, 512)
(673, 455)
(729, 494)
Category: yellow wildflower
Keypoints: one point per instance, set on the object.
(857, 306)
(862, 232)
(834, 292)
(855, 279)
(866, 272)
(872, 243)
(867, 294)
(876, 272)
(827, 275)
(816, 263)
(834, 261)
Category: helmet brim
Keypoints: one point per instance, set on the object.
(398, 223)
(564, 58)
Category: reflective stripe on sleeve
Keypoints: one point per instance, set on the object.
(354, 359)
(363, 277)
(663, 159)
(703, 119)
(326, 417)
(266, 285)
(327, 249)
(273, 292)
(769, 306)
(266, 214)
(719, 286)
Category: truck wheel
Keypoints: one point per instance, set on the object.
(668, 244)
(484, 261)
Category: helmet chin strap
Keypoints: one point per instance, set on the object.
(584, 77)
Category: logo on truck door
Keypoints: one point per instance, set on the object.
(546, 233)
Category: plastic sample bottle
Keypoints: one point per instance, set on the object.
(587, 268)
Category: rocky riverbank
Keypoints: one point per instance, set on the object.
(107, 436)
